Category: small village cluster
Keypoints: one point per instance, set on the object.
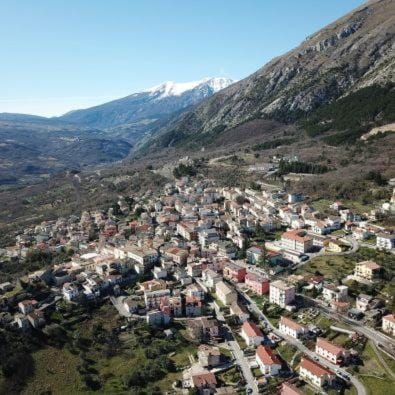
(191, 254)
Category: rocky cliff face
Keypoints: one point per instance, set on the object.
(354, 52)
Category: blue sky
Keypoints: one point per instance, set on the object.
(59, 55)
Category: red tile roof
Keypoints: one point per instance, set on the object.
(297, 235)
(177, 251)
(267, 356)
(314, 367)
(330, 347)
(370, 264)
(290, 389)
(251, 329)
(204, 379)
(390, 317)
(290, 323)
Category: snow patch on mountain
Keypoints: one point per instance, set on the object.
(171, 88)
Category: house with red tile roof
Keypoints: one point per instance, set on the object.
(178, 255)
(251, 333)
(315, 373)
(268, 361)
(367, 270)
(297, 240)
(291, 327)
(204, 382)
(331, 352)
(290, 389)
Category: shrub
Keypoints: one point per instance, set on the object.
(184, 170)
(301, 167)
(272, 144)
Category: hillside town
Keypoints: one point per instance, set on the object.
(232, 267)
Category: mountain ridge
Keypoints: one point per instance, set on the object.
(33, 146)
(153, 103)
(353, 52)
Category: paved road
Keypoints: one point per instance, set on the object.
(296, 343)
(374, 247)
(377, 337)
(354, 245)
(238, 353)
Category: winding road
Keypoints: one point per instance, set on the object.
(386, 342)
(301, 347)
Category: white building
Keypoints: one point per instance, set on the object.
(331, 352)
(290, 327)
(159, 272)
(388, 325)
(337, 293)
(268, 362)
(281, 293)
(71, 291)
(385, 241)
(315, 373)
(225, 293)
(297, 240)
(251, 333)
(211, 278)
(142, 255)
(208, 236)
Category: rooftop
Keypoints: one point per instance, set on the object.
(314, 367)
(390, 317)
(267, 356)
(330, 347)
(281, 285)
(297, 235)
(224, 288)
(290, 323)
(251, 329)
(204, 379)
(369, 264)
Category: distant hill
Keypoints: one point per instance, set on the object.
(30, 151)
(13, 117)
(352, 53)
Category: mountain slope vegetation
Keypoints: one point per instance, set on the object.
(353, 114)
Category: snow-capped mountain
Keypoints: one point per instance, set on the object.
(171, 88)
(153, 105)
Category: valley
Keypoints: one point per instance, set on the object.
(216, 236)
